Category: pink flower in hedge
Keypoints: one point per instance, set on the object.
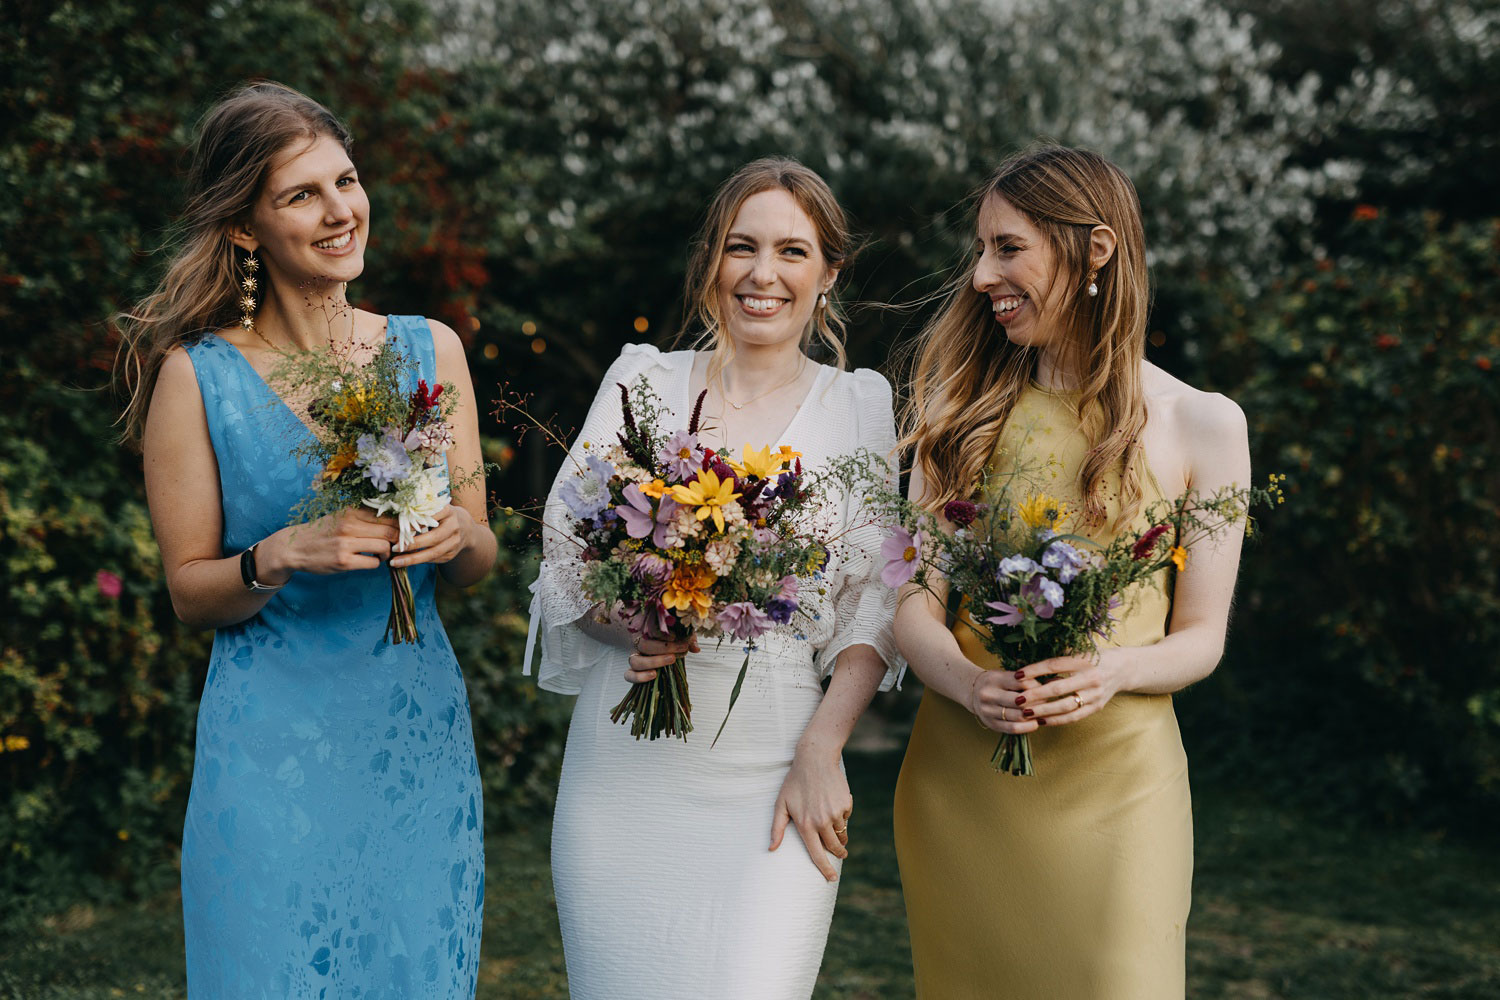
(109, 585)
(902, 552)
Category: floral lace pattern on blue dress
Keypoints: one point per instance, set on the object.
(333, 841)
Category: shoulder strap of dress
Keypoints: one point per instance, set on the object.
(414, 336)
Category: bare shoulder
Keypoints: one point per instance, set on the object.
(444, 337)
(1192, 416)
(177, 377)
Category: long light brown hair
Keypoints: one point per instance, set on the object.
(835, 241)
(238, 139)
(967, 375)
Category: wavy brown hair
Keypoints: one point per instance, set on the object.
(835, 241)
(238, 139)
(966, 375)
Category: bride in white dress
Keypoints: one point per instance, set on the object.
(683, 870)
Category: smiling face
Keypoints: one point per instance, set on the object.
(1016, 271)
(771, 270)
(311, 219)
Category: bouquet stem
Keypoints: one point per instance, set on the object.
(401, 626)
(1013, 755)
(658, 707)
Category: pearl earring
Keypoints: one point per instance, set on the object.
(822, 300)
(1093, 287)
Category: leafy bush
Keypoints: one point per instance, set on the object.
(1366, 667)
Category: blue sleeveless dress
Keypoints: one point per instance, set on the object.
(333, 844)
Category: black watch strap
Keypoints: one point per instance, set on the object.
(247, 573)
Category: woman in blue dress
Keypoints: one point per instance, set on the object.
(332, 846)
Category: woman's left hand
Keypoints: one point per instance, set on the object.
(815, 796)
(440, 544)
(1084, 685)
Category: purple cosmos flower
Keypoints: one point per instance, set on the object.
(1065, 559)
(640, 521)
(680, 455)
(1010, 614)
(383, 460)
(743, 620)
(903, 554)
(588, 493)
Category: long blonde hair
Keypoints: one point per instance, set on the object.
(835, 241)
(237, 141)
(967, 375)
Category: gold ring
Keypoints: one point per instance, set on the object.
(840, 829)
(1078, 698)
(1003, 716)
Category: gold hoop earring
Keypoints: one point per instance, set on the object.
(248, 284)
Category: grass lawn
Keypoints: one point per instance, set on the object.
(1283, 907)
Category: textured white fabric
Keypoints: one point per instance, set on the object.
(665, 887)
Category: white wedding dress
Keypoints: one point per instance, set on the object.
(665, 885)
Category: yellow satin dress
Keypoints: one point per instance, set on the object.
(1073, 884)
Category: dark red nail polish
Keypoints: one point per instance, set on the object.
(1041, 722)
(1020, 675)
(1020, 700)
(1027, 713)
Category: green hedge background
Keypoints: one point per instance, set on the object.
(1317, 181)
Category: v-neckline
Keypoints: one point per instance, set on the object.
(783, 437)
(266, 386)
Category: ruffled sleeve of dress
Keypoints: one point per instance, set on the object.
(558, 602)
(864, 606)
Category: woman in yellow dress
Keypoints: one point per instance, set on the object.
(1073, 884)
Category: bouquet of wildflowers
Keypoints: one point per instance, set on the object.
(679, 540)
(379, 445)
(1038, 593)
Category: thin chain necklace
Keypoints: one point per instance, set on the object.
(801, 367)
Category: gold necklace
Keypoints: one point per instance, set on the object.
(801, 367)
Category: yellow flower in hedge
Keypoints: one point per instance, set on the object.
(759, 464)
(14, 743)
(1043, 511)
(709, 494)
(1179, 557)
(688, 590)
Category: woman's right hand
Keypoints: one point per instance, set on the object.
(356, 538)
(652, 655)
(997, 698)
